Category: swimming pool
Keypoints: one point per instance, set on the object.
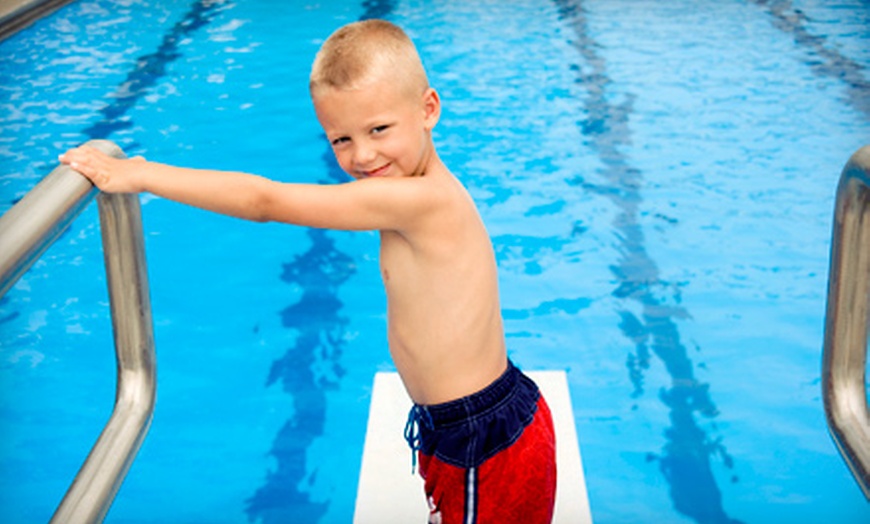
(657, 178)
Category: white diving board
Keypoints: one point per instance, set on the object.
(388, 492)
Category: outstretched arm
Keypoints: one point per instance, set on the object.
(360, 205)
(228, 193)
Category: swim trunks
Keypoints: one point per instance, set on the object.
(489, 457)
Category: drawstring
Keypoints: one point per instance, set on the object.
(412, 431)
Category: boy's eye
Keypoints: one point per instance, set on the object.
(340, 140)
(379, 129)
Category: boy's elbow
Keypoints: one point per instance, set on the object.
(261, 210)
(261, 218)
(261, 207)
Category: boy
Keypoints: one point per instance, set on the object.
(482, 429)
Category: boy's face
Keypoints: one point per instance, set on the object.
(378, 130)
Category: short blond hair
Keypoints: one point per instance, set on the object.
(363, 52)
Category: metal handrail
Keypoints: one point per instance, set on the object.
(26, 231)
(844, 358)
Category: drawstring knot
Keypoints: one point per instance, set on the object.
(417, 415)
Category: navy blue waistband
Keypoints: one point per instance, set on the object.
(459, 410)
(467, 431)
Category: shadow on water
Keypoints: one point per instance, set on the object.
(685, 459)
(311, 366)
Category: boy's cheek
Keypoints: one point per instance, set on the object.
(347, 170)
(344, 164)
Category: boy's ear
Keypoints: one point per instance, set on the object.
(431, 108)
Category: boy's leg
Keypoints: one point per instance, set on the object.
(516, 485)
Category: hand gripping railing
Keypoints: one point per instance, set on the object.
(844, 359)
(26, 231)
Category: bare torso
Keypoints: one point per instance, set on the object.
(445, 328)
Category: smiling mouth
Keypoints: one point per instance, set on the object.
(377, 172)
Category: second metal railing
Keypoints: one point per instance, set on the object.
(844, 360)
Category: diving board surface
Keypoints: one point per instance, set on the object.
(388, 491)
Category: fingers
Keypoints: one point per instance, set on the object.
(75, 158)
(89, 162)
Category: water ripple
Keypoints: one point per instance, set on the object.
(149, 69)
(824, 61)
(685, 460)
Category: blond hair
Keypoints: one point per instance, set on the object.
(363, 52)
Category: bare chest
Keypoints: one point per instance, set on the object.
(394, 258)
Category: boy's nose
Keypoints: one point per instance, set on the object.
(364, 155)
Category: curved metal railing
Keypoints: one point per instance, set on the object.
(844, 361)
(26, 231)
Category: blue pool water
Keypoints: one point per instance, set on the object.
(657, 178)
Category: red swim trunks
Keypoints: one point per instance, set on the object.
(489, 457)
